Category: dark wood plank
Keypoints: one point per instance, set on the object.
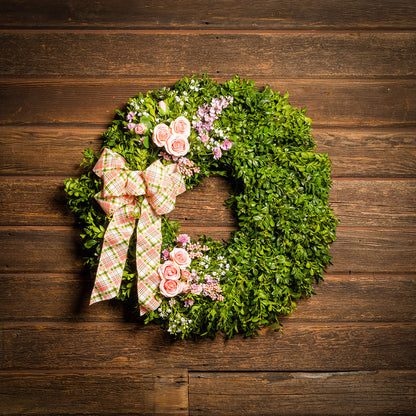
(329, 102)
(374, 250)
(360, 298)
(301, 347)
(58, 249)
(295, 54)
(216, 14)
(369, 153)
(41, 201)
(354, 153)
(152, 392)
(271, 393)
(65, 297)
(55, 297)
(33, 201)
(58, 150)
(380, 203)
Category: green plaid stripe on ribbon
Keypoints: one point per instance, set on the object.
(119, 198)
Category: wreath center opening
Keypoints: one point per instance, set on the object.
(203, 210)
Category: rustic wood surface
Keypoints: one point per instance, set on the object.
(64, 69)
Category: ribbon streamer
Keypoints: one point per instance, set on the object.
(120, 199)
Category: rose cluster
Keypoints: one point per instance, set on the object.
(174, 137)
(171, 271)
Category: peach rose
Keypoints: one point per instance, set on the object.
(169, 270)
(186, 287)
(177, 145)
(181, 126)
(181, 257)
(161, 134)
(186, 275)
(140, 128)
(170, 288)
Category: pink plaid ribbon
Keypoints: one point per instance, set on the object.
(126, 196)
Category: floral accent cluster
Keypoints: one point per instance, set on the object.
(203, 124)
(138, 128)
(187, 167)
(176, 279)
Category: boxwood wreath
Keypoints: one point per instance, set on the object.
(264, 147)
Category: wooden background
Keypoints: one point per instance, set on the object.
(67, 65)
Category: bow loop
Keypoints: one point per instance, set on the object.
(163, 183)
(160, 185)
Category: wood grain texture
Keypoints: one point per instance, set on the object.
(369, 153)
(374, 203)
(340, 298)
(217, 14)
(356, 203)
(295, 55)
(301, 347)
(65, 67)
(153, 391)
(271, 393)
(354, 153)
(58, 249)
(329, 102)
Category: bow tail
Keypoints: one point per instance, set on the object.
(149, 244)
(113, 255)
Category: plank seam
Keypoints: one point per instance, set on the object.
(200, 31)
(334, 178)
(169, 78)
(320, 129)
(34, 227)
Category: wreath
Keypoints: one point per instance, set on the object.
(169, 140)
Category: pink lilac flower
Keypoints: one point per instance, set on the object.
(212, 290)
(196, 289)
(188, 303)
(187, 167)
(204, 138)
(131, 115)
(165, 255)
(130, 126)
(165, 155)
(217, 153)
(227, 144)
(209, 113)
(183, 239)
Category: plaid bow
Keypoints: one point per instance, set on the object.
(121, 199)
